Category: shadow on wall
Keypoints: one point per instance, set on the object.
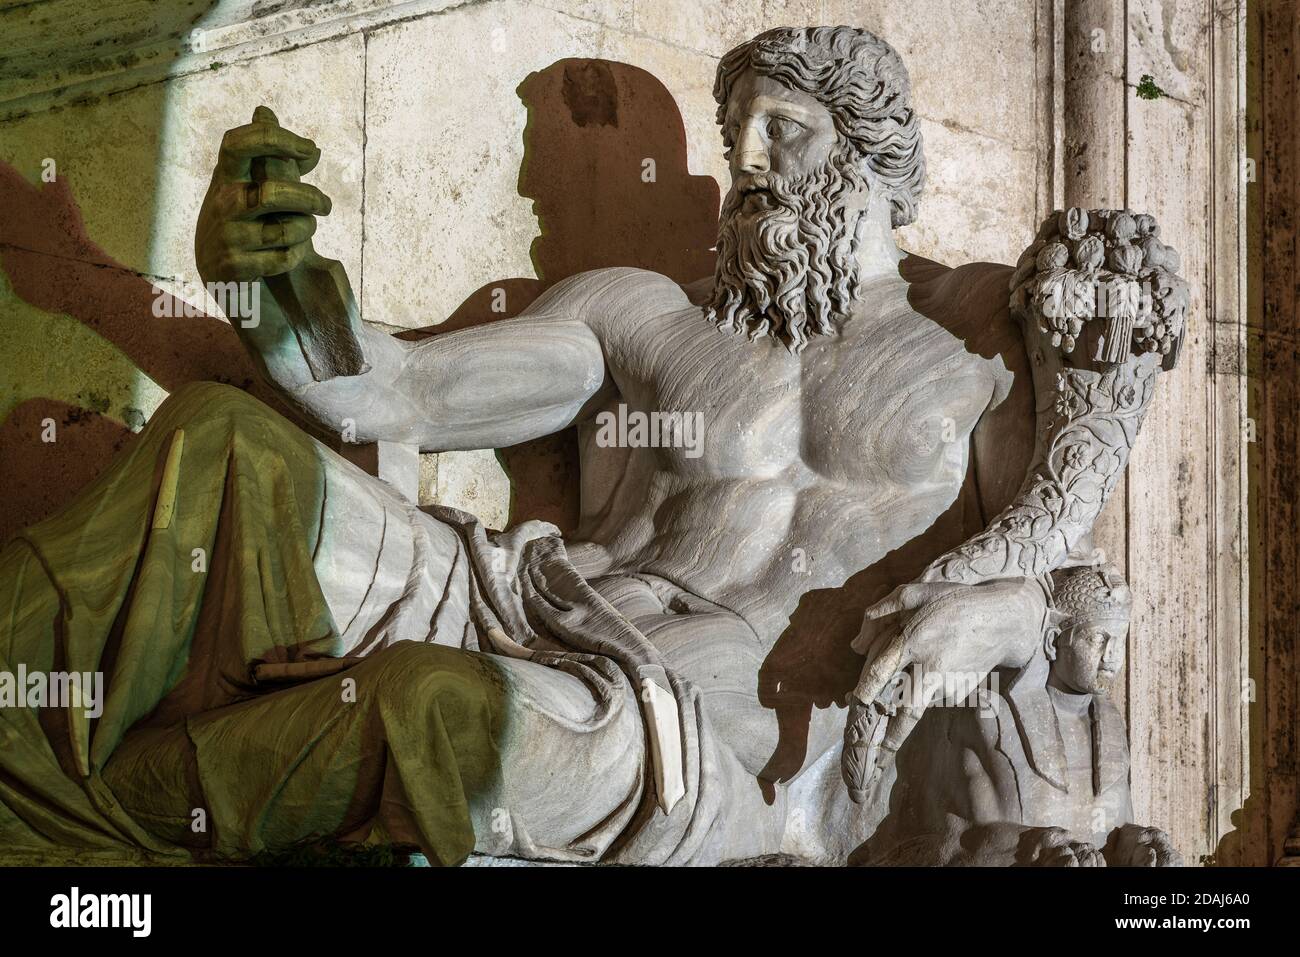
(605, 165)
(53, 265)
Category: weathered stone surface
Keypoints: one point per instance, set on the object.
(444, 145)
(965, 212)
(714, 28)
(198, 107)
(986, 83)
(474, 482)
(138, 162)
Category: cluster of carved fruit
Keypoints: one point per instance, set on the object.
(1103, 264)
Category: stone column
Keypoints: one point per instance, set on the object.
(1177, 526)
(1093, 124)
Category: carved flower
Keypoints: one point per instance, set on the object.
(1073, 223)
(1076, 456)
(1147, 226)
(1125, 395)
(1067, 405)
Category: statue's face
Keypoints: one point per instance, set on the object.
(786, 239)
(774, 129)
(1088, 656)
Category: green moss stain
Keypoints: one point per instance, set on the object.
(1147, 88)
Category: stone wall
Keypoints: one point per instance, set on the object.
(421, 109)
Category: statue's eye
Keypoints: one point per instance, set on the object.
(781, 128)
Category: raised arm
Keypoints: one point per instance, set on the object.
(484, 387)
(1102, 310)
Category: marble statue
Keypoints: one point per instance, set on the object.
(1038, 772)
(891, 462)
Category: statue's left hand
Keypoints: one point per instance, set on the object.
(947, 629)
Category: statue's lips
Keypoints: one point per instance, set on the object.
(755, 197)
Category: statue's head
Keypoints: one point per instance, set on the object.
(821, 137)
(1088, 650)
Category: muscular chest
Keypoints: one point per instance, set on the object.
(883, 400)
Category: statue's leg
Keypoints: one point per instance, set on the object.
(418, 744)
(227, 536)
(386, 571)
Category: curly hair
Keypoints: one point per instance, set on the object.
(861, 80)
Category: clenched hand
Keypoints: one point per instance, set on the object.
(257, 220)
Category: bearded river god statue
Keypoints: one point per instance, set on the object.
(891, 463)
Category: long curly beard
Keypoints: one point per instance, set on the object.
(787, 270)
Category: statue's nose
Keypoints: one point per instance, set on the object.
(751, 151)
(1114, 650)
(754, 162)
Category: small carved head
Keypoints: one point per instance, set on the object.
(1086, 645)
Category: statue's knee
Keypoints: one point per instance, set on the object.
(196, 404)
(213, 398)
(416, 674)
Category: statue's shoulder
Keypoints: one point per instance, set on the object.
(614, 296)
(617, 282)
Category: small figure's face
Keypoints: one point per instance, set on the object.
(773, 130)
(1089, 655)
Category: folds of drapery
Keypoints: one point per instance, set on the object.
(172, 576)
(529, 600)
(195, 561)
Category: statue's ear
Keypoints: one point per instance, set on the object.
(1052, 631)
